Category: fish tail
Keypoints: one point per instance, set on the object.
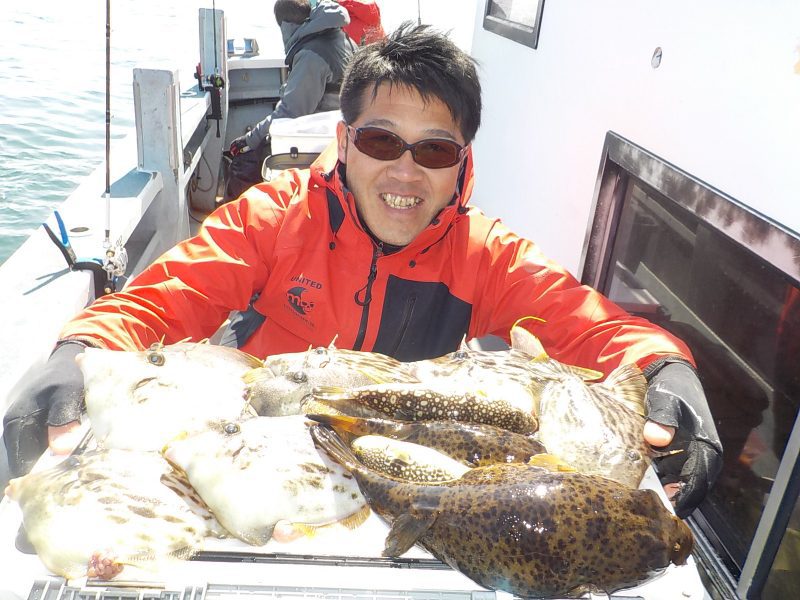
(629, 386)
(332, 444)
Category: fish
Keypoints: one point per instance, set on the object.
(256, 472)
(515, 370)
(405, 460)
(472, 444)
(598, 428)
(110, 507)
(427, 402)
(525, 529)
(286, 380)
(499, 388)
(140, 400)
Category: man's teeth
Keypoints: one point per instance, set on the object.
(400, 201)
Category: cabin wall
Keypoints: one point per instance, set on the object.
(724, 105)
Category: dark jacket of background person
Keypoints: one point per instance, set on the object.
(317, 52)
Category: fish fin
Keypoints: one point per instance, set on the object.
(629, 386)
(406, 530)
(357, 518)
(653, 453)
(341, 422)
(524, 341)
(256, 375)
(551, 463)
(330, 392)
(332, 444)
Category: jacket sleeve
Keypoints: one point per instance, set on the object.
(578, 326)
(189, 291)
(301, 95)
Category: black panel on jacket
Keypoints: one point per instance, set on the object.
(420, 320)
(335, 210)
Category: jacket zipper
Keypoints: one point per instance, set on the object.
(367, 289)
(404, 325)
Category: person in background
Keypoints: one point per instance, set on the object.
(379, 238)
(317, 52)
(365, 21)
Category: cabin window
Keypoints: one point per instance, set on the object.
(518, 20)
(726, 281)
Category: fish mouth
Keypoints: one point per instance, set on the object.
(399, 201)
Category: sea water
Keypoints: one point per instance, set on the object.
(53, 81)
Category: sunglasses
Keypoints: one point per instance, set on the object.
(384, 145)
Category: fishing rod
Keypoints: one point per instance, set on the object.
(116, 257)
(107, 194)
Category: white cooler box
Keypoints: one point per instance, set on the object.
(311, 133)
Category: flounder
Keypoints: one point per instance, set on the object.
(472, 444)
(94, 512)
(256, 472)
(140, 400)
(527, 530)
(597, 427)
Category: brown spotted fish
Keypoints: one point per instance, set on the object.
(597, 427)
(472, 444)
(117, 506)
(527, 530)
(256, 472)
(404, 460)
(140, 400)
(436, 401)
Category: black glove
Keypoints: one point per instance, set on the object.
(51, 397)
(675, 398)
(239, 146)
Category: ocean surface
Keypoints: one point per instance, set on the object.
(52, 84)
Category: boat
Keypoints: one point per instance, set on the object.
(652, 150)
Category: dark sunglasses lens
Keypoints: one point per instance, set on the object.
(437, 154)
(379, 144)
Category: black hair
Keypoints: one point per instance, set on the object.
(293, 11)
(420, 58)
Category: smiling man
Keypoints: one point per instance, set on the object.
(376, 246)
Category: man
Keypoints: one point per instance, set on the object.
(317, 52)
(375, 246)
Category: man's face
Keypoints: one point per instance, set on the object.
(397, 199)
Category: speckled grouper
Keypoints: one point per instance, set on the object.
(472, 444)
(527, 530)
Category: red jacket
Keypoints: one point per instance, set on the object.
(298, 243)
(365, 21)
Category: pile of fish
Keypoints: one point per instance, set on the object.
(513, 468)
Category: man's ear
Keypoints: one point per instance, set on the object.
(341, 141)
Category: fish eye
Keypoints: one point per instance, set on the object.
(299, 377)
(156, 358)
(231, 428)
(633, 455)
